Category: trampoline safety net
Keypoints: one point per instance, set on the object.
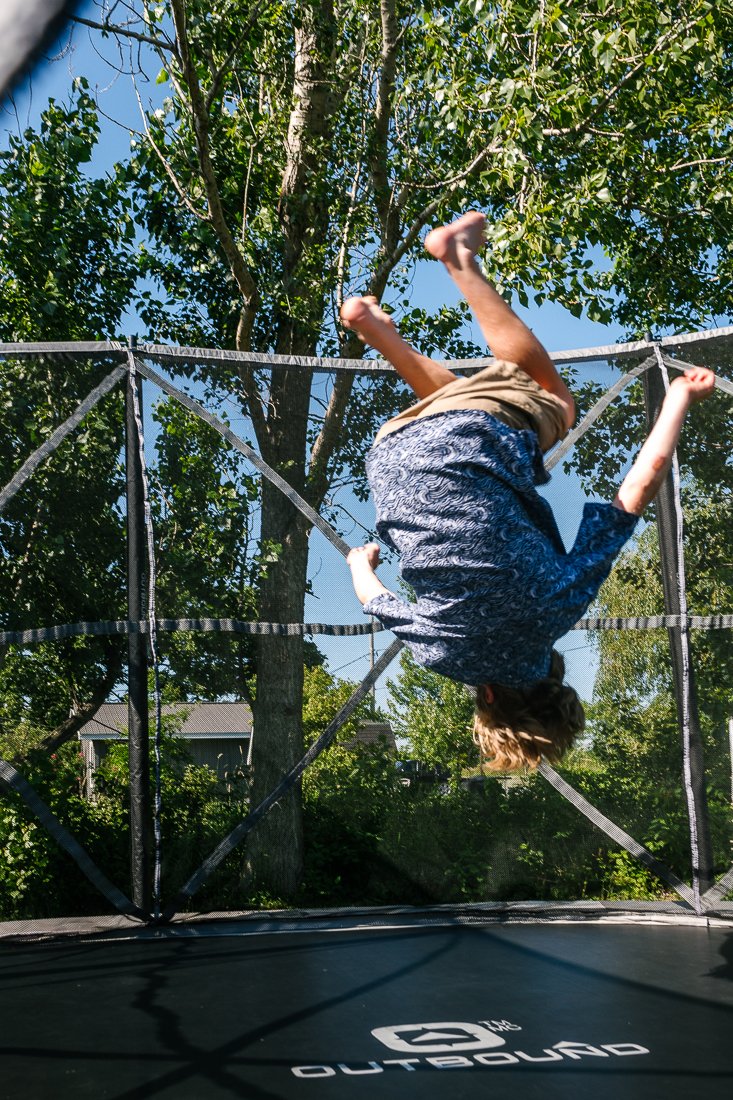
(134, 541)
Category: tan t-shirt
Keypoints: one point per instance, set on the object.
(502, 389)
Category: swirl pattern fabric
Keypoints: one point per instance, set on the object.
(456, 498)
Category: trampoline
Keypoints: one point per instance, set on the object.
(597, 1000)
(512, 998)
(525, 999)
(508, 999)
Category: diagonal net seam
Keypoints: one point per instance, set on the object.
(616, 833)
(12, 780)
(59, 435)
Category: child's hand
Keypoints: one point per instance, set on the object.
(696, 384)
(363, 561)
(368, 554)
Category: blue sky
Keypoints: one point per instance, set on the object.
(78, 54)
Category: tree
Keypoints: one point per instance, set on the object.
(203, 495)
(346, 792)
(633, 721)
(303, 149)
(67, 272)
(436, 716)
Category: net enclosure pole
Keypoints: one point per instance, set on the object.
(730, 753)
(137, 663)
(25, 27)
(669, 526)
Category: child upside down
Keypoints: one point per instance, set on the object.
(453, 480)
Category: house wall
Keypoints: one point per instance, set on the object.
(224, 755)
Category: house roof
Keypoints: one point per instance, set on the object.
(371, 733)
(200, 720)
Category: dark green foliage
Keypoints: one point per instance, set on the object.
(38, 880)
(370, 840)
(204, 495)
(65, 238)
(67, 272)
(436, 716)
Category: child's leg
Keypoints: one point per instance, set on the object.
(507, 336)
(646, 476)
(375, 327)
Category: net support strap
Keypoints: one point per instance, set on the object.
(12, 780)
(222, 626)
(285, 785)
(681, 364)
(654, 622)
(593, 414)
(336, 630)
(244, 448)
(56, 438)
(84, 349)
(617, 834)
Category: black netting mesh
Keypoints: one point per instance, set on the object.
(432, 828)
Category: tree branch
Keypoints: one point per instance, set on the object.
(697, 163)
(254, 408)
(380, 277)
(168, 168)
(111, 28)
(343, 248)
(221, 71)
(328, 437)
(71, 726)
(452, 182)
(387, 210)
(200, 119)
(659, 45)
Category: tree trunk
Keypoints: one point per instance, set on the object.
(275, 849)
(275, 853)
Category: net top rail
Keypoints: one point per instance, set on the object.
(327, 365)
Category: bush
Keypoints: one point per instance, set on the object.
(39, 880)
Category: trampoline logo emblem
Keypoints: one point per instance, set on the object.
(439, 1038)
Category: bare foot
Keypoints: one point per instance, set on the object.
(695, 384)
(458, 242)
(367, 319)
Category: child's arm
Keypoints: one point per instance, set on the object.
(646, 476)
(363, 561)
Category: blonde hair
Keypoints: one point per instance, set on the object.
(521, 725)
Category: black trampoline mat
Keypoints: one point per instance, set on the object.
(577, 1010)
